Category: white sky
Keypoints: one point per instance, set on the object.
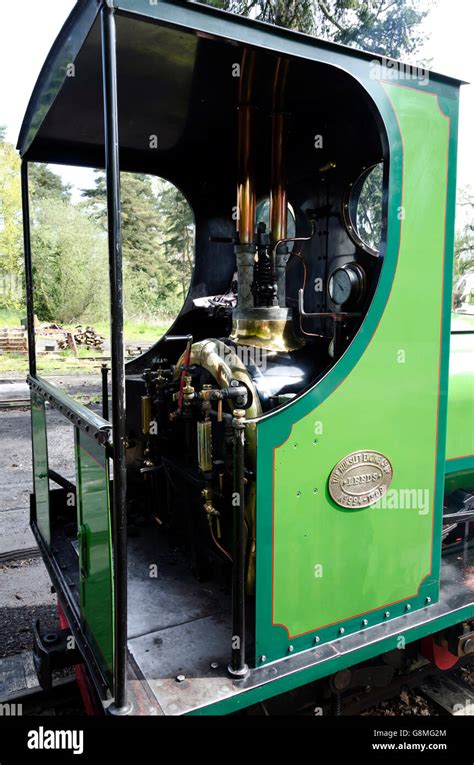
(29, 27)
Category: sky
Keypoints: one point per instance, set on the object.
(28, 29)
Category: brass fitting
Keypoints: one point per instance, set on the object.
(238, 418)
(208, 506)
(188, 390)
(146, 414)
(211, 511)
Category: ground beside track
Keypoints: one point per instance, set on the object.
(25, 589)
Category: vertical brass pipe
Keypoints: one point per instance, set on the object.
(278, 194)
(246, 195)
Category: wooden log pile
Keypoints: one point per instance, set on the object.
(87, 337)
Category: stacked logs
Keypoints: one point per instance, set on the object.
(82, 336)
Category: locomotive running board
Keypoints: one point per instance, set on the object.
(194, 680)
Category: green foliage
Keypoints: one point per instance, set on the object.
(45, 184)
(157, 242)
(69, 264)
(178, 235)
(381, 26)
(10, 317)
(69, 245)
(139, 218)
(11, 236)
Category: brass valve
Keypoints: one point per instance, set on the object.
(210, 510)
(207, 494)
(188, 390)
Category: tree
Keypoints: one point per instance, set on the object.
(381, 26)
(45, 184)
(11, 245)
(69, 264)
(140, 232)
(178, 228)
(157, 242)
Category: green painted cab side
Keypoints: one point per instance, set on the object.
(322, 567)
(40, 466)
(95, 549)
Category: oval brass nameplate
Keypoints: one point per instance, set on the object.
(360, 479)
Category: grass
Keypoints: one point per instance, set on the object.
(64, 362)
(10, 318)
(134, 329)
(16, 363)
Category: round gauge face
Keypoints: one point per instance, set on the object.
(340, 286)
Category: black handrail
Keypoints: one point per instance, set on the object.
(30, 311)
(80, 416)
(112, 167)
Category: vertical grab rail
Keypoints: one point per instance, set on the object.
(112, 167)
(30, 311)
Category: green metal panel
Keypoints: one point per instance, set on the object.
(320, 567)
(40, 466)
(95, 549)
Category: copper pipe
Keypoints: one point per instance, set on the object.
(278, 195)
(246, 194)
(279, 84)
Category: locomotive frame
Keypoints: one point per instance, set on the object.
(300, 626)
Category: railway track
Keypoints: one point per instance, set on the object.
(21, 694)
(22, 554)
(14, 403)
(63, 698)
(428, 691)
(451, 696)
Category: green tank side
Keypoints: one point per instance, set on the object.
(315, 579)
(460, 427)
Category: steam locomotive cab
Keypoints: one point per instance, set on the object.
(283, 280)
(287, 484)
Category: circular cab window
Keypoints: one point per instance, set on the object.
(263, 216)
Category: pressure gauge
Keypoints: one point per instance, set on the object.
(347, 284)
